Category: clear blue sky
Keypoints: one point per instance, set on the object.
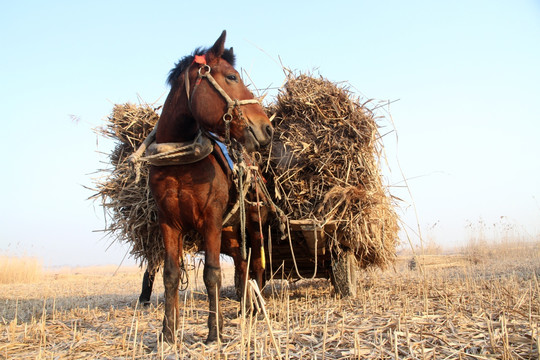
(466, 74)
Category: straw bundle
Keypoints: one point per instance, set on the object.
(324, 163)
(129, 207)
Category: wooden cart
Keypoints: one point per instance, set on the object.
(307, 254)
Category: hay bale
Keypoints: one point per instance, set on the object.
(131, 214)
(324, 161)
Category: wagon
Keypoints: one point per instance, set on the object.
(306, 253)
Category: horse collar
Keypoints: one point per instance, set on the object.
(179, 153)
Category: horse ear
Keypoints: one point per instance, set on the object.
(219, 46)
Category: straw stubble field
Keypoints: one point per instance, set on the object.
(451, 308)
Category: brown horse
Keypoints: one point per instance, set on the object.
(256, 220)
(207, 95)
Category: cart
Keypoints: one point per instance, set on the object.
(306, 253)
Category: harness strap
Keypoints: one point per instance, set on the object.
(187, 85)
(239, 199)
(230, 102)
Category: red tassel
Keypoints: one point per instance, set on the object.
(200, 59)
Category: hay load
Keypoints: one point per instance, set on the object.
(324, 162)
(130, 211)
(324, 166)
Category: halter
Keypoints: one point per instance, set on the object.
(204, 72)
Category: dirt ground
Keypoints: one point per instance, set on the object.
(439, 308)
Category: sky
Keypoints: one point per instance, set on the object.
(463, 79)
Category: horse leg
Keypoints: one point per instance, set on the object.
(171, 277)
(212, 281)
(147, 284)
(256, 217)
(230, 246)
(257, 266)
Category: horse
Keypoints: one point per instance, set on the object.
(256, 218)
(207, 97)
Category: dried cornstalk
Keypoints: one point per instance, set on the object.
(129, 207)
(325, 166)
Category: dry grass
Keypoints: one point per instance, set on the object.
(325, 164)
(131, 214)
(484, 251)
(19, 269)
(488, 310)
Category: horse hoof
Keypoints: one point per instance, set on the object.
(212, 339)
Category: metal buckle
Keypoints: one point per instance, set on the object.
(227, 117)
(204, 70)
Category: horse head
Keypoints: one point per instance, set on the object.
(220, 101)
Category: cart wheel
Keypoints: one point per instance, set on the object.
(345, 274)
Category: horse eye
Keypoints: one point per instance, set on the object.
(232, 77)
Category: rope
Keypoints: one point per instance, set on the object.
(280, 214)
(261, 237)
(294, 257)
(241, 198)
(134, 158)
(230, 102)
(184, 278)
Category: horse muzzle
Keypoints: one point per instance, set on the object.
(257, 136)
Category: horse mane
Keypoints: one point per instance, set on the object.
(185, 62)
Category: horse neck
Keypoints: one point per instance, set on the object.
(176, 124)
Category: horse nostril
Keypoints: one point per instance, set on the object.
(269, 130)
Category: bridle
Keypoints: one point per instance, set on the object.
(204, 72)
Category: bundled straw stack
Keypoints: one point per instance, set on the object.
(129, 207)
(325, 166)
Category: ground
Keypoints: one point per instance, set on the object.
(440, 307)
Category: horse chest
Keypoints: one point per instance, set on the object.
(189, 195)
